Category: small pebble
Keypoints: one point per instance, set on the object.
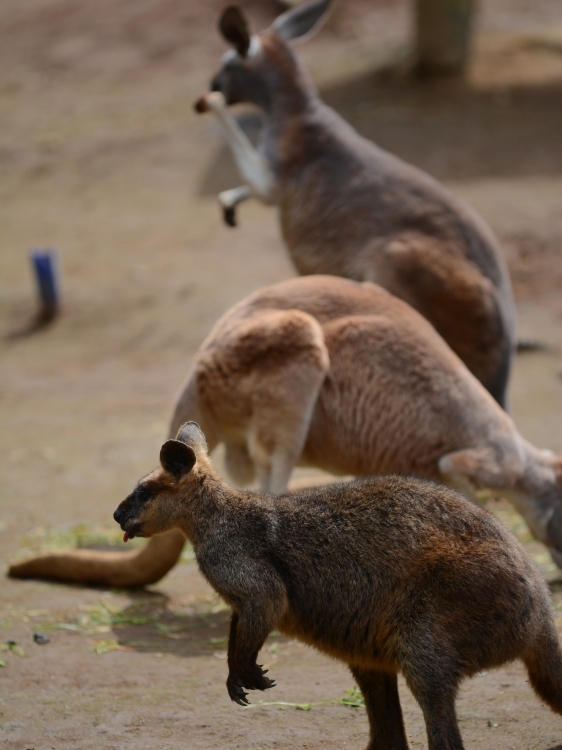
(40, 639)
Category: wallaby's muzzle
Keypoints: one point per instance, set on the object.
(125, 517)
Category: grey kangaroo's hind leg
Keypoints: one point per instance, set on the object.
(380, 691)
(239, 464)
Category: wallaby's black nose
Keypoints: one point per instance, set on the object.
(119, 515)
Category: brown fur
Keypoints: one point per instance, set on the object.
(387, 574)
(348, 208)
(340, 375)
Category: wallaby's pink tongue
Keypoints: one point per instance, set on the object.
(126, 536)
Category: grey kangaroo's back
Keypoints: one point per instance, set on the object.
(350, 209)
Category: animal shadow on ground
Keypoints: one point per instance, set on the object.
(448, 128)
(148, 625)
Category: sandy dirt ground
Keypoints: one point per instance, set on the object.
(102, 157)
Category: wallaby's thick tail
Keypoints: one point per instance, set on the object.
(139, 567)
(544, 665)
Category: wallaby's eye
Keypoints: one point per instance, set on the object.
(143, 493)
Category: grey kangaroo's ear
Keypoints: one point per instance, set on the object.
(302, 21)
(234, 28)
(191, 434)
(177, 458)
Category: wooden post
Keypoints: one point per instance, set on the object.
(443, 35)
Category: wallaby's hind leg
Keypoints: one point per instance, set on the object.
(435, 691)
(380, 691)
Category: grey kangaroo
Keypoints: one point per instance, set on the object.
(387, 574)
(348, 208)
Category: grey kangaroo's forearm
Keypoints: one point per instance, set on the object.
(231, 198)
(253, 167)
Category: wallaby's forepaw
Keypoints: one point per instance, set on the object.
(253, 679)
(229, 216)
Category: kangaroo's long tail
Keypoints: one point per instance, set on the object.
(139, 567)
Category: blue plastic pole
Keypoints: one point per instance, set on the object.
(45, 267)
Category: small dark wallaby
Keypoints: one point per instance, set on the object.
(388, 574)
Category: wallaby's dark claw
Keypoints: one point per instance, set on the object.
(236, 693)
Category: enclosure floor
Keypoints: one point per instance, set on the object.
(102, 156)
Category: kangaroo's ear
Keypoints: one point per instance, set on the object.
(302, 21)
(177, 458)
(234, 28)
(191, 434)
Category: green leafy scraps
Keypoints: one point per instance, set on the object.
(101, 618)
(219, 641)
(103, 647)
(13, 647)
(352, 699)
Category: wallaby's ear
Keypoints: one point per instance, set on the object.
(302, 21)
(191, 434)
(234, 28)
(177, 458)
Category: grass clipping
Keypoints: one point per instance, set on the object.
(351, 699)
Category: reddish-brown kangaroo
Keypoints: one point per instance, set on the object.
(348, 208)
(387, 574)
(341, 375)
